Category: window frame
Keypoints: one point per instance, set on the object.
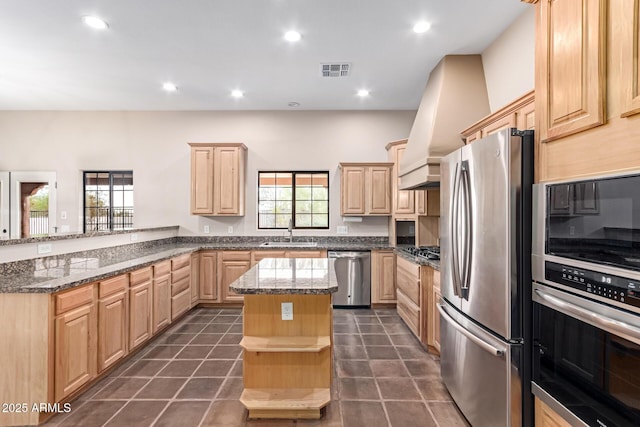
(84, 198)
(293, 198)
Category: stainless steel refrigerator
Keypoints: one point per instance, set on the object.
(485, 310)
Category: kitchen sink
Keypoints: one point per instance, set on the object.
(289, 244)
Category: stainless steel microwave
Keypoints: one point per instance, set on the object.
(591, 225)
(586, 304)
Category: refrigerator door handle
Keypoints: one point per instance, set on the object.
(466, 269)
(455, 206)
(498, 352)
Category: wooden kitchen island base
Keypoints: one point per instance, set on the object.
(287, 363)
(287, 337)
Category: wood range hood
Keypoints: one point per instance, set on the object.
(455, 97)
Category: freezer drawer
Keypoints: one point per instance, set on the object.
(480, 371)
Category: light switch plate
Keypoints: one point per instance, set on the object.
(44, 248)
(230, 229)
(287, 311)
(134, 237)
(63, 214)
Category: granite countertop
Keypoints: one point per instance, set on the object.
(435, 264)
(57, 273)
(277, 276)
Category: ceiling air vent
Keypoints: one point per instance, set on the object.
(335, 69)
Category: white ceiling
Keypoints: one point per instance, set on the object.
(49, 60)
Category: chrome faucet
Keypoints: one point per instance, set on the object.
(290, 228)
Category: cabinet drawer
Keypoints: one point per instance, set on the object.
(407, 281)
(409, 312)
(179, 286)
(236, 256)
(140, 276)
(113, 285)
(162, 268)
(178, 275)
(180, 262)
(71, 299)
(180, 303)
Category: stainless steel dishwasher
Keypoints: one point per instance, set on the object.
(353, 271)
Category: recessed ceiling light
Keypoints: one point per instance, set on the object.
(421, 27)
(237, 93)
(95, 22)
(292, 36)
(293, 104)
(169, 87)
(363, 92)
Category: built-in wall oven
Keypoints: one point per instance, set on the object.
(586, 298)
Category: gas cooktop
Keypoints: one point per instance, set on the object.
(425, 252)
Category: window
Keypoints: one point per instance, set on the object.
(281, 194)
(108, 200)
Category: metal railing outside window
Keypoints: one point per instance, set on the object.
(38, 223)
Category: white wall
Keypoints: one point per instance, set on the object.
(509, 61)
(154, 146)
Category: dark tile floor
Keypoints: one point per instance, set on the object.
(191, 375)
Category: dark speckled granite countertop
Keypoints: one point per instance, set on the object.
(53, 274)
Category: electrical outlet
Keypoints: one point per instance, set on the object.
(287, 311)
(412, 229)
(44, 248)
(63, 214)
(342, 229)
(206, 229)
(572, 230)
(230, 229)
(134, 237)
(64, 228)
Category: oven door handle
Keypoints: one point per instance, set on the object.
(470, 335)
(598, 320)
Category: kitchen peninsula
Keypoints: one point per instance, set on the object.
(287, 342)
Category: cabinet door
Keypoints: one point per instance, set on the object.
(508, 121)
(428, 202)
(383, 277)
(353, 190)
(208, 276)
(630, 72)
(161, 312)
(405, 203)
(195, 278)
(379, 190)
(227, 181)
(140, 302)
(112, 329)
(570, 67)
(201, 180)
(229, 272)
(527, 117)
(434, 315)
(546, 417)
(75, 350)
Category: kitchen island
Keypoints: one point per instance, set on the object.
(287, 342)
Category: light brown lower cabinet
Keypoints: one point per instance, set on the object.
(195, 278)
(434, 314)
(232, 265)
(140, 303)
(113, 316)
(383, 277)
(161, 312)
(208, 279)
(180, 288)
(75, 349)
(547, 417)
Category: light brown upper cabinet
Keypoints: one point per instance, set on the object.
(519, 114)
(570, 67)
(365, 189)
(576, 41)
(218, 178)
